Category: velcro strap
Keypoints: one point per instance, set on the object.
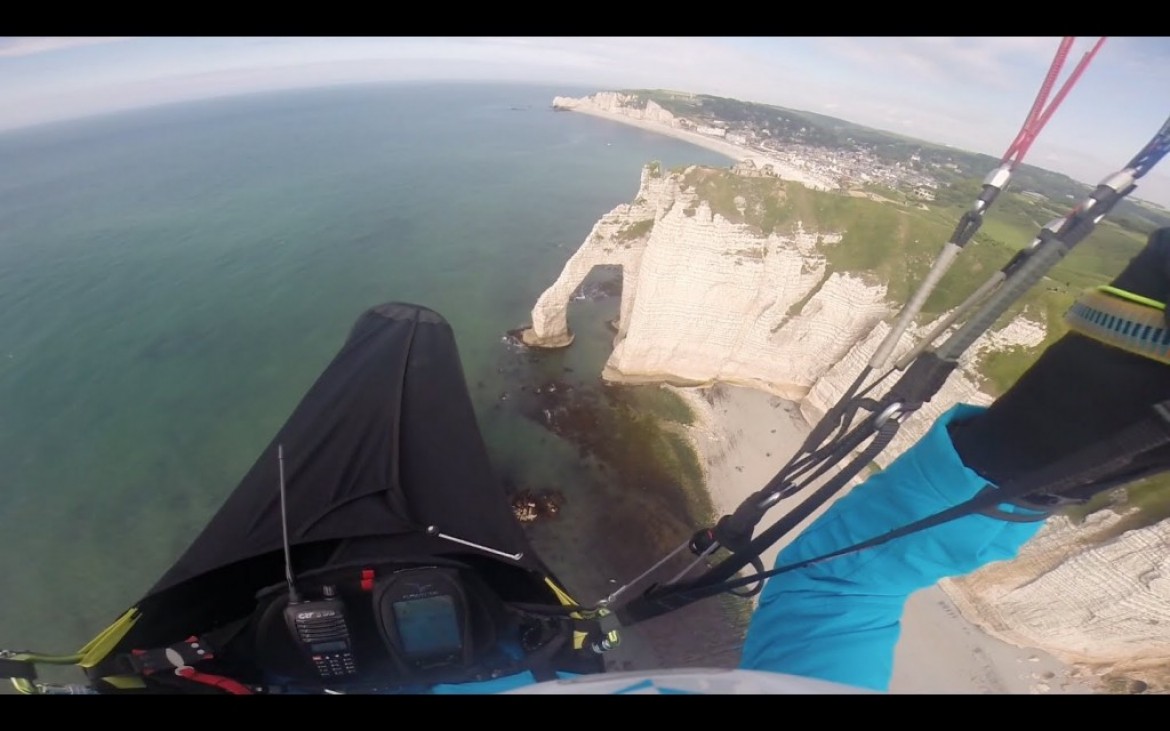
(184, 654)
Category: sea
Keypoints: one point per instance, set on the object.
(173, 280)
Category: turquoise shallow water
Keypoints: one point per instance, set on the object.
(173, 280)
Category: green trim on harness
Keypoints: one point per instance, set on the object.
(1132, 297)
(87, 657)
(1123, 320)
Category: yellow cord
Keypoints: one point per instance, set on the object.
(46, 659)
(24, 686)
(1131, 297)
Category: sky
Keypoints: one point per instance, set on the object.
(970, 92)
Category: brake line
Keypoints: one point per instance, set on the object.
(1038, 116)
(993, 185)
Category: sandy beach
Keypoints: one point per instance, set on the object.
(723, 147)
(744, 437)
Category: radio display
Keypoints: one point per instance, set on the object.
(328, 646)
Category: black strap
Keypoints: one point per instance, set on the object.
(542, 672)
(1094, 463)
(1034, 516)
(659, 600)
(758, 565)
(794, 517)
(22, 669)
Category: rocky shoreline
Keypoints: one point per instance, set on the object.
(638, 503)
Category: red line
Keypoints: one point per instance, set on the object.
(1039, 114)
(1041, 96)
(1060, 95)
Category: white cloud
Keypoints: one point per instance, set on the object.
(994, 62)
(15, 47)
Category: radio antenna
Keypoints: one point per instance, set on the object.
(293, 598)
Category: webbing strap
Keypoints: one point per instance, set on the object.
(22, 669)
(658, 600)
(1097, 462)
(227, 685)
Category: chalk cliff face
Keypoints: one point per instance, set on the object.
(1094, 594)
(705, 299)
(623, 104)
(618, 238)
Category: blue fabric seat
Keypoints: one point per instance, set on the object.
(840, 620)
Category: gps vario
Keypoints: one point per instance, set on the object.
(422, 614)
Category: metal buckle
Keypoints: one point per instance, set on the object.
(893, 411)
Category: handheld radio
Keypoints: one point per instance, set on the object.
(322, 633)
(318, 626)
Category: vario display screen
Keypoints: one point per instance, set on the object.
(428, 625)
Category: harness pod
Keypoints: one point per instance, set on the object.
(387, 473)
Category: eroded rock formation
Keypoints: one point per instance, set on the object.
(706, 299)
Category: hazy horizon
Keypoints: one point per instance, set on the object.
(968, 93)
(582, 90)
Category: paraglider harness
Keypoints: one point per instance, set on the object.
(411, 570)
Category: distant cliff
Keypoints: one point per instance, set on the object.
(623, 104)
(650, 115)
(730, 276)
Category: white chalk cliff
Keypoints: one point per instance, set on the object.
(630, 109)
(705, 299)
(623, 104)
(1095, 595)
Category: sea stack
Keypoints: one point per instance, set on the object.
(617, 239)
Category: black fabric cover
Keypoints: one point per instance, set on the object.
(1077, 393)
(384, 444)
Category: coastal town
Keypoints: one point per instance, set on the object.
(786, 150)
(825, 153)
(849, 167)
